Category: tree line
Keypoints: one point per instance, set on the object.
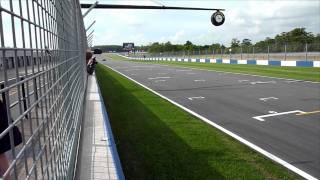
(296, 40)
(293, 41)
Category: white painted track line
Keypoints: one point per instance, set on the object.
(197, 97)
(159, 78)
(263, 82)
(244, 80)
(267, 98)
(242, 140)
(260, 118)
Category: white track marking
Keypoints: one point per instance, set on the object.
(267, 98)
(240, 81)
(272, 112)
(263, 82)
(183, 70)
(291, 81)
(261, 118)
(244, 74)
(235, 136)
(198, 97)
(142, 66)
(120, 67)
(159, 78)
(133, 70)
(199, 80)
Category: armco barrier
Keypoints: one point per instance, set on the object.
(274, 63)
(233, 61)
(252, 62)
(305, 63)
(298, 63)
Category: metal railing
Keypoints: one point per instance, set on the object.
(42, 84)
(283, 52)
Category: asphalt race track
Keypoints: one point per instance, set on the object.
(280, 116)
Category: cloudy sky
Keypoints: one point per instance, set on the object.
(244, 19)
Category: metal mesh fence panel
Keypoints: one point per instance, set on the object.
(283, 52)
(43, 81)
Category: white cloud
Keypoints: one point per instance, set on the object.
(178, 36)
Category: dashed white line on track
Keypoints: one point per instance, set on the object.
(198, 97)
(159, 78)
(199, 80)
(244, 80)
(132, 69)
(183, 70)
(291, 81)
(268, 98)
(263, 82)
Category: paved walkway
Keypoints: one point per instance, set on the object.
(97, 158)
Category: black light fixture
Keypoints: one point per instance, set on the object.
(217, 18)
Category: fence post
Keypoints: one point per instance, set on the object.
(241, 52)
(24, 96)
(268, 53)
(306, 51)
(221, 53)
(213, 53)
(3, 94)
(285, 51)
(253, 52)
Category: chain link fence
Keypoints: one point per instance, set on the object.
(283, 52)
(42, 87)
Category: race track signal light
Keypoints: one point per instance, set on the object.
(217, 18)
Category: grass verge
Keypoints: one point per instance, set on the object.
(157, 140)
(299, 73)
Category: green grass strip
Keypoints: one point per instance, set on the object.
(299, 73)
(157, 140)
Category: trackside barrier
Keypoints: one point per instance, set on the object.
(298, 63)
